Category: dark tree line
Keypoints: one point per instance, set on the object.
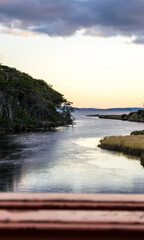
(27, 103)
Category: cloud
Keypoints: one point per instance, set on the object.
(17, 32)
(66, 17)
(139, 39)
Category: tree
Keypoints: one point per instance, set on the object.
(30, 103)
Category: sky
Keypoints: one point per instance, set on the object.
(92, 51)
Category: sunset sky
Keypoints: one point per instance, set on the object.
(92, 51)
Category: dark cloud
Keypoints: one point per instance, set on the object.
(65, 17)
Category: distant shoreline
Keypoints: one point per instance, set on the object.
(132, 116)
(115, 117)
(130, 109)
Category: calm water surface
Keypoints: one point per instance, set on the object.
(69, 160)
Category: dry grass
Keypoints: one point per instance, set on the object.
(132, 144)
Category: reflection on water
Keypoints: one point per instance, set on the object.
(69, 160)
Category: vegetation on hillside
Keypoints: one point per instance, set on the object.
(132, 116)
(29, 104)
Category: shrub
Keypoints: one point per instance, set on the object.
(130, 114)
(123, 116)
(139, 112)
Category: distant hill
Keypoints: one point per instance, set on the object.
(131, 109)
(29, 104)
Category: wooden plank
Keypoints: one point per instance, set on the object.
(71, 196)
(63, 220)
(71, 201)
(86, 224)
(71, 216)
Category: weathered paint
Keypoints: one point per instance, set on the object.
(71, 216)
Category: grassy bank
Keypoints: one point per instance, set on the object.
(132, 144)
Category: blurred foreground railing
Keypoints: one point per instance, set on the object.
(71, 216)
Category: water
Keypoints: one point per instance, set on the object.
(69, 160)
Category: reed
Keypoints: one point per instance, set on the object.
(131, 144)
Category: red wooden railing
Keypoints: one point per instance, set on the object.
(71, 216)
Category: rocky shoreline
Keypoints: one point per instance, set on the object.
(132, 116)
